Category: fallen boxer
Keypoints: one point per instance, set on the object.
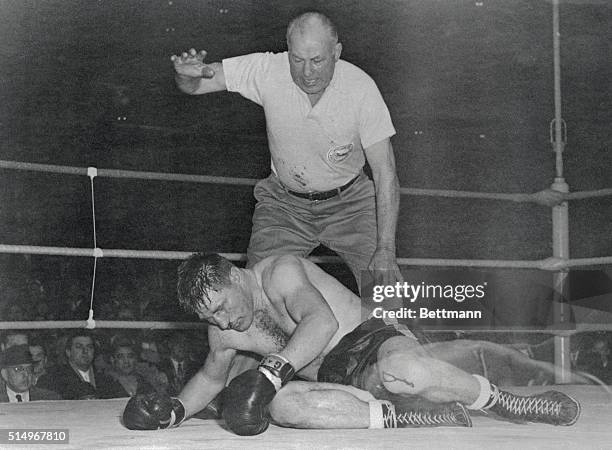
(359, 375)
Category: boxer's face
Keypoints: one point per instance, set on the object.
(230, 308)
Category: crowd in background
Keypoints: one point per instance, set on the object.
(82, 364)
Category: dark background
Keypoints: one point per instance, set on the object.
(469, 86)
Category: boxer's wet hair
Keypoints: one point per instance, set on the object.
(200, 274)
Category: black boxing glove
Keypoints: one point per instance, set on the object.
(246, 398)
(245, 403)
(153, 411)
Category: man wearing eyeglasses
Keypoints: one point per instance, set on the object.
(17, 377)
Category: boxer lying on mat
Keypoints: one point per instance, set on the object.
(358, 374)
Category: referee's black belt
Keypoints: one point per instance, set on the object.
(323, 195)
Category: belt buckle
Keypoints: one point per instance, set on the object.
(311, 197)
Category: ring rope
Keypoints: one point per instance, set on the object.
(547, 197)
(466, 194)
(550, 264)
(588, 194)
(132, 174)
(67, 324)
(162, 325)
(108, 253)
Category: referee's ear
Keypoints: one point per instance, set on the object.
(337, 51)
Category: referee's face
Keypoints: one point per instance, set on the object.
(312, 59)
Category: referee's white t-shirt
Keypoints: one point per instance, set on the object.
(312, 148)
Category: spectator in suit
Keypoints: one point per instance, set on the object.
(149, 351)
(40, 363)
(77, 379)
(124, 370)
(17, 379)
(178, 367)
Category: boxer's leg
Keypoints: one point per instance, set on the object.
(500, 364)
(404, 367)
(328, 405)
(303, 404)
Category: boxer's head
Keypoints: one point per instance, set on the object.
(214, 289)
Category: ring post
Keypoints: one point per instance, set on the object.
(560, 221)
(562, 311)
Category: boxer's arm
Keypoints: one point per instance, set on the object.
(316, 323)
(246, 398)
(208, 381)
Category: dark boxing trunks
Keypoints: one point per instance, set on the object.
(356, 351)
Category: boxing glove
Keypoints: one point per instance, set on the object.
(246, 398)
(153, 411)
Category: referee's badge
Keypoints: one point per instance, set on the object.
(339, 153)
